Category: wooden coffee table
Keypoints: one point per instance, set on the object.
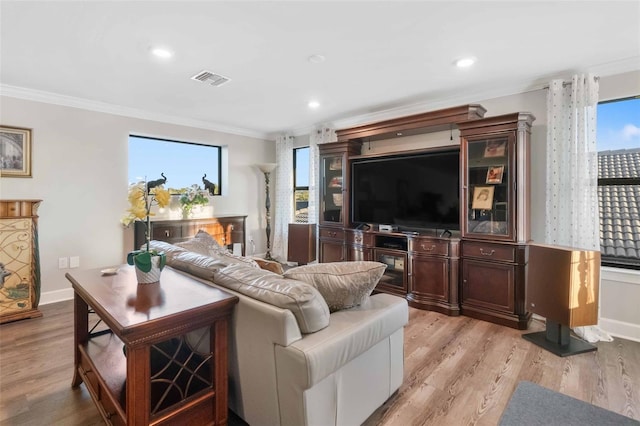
(165, 377)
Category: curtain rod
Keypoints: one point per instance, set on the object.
(569, 83)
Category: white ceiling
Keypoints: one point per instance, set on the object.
(382, 58)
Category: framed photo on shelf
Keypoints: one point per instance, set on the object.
(336, 163)
(495, 148)
(482, 197)
(494, 174)
(15, 152)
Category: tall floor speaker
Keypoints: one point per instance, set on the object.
(562, 286)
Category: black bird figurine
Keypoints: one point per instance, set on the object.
(208, 185)
(153, 183)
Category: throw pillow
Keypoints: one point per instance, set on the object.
(208, 238)
(342, 284)
(269, 265)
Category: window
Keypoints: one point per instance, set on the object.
(618, 140)
(182, 163)
(301, 184)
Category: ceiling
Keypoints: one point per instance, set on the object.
(382, 58)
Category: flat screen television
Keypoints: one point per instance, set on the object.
(412, 192)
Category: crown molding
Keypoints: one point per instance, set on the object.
(70, 101)
(472, 96)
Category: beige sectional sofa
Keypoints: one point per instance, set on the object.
(291, 361)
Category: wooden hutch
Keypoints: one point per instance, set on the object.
(475, 272)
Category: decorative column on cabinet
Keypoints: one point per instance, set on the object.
(495, 217)
(20, 290)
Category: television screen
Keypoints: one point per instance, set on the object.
(418, 191)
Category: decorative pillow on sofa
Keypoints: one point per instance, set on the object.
(269, 265)
(303, 300)
(342, 284)
(208, 238)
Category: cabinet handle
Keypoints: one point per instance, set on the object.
(358, 239)
(424, 247)
(167, 233)
(332, 234)
(484, 253)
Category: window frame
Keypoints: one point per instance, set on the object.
(297, 188)
(216, 147)
(608, 260)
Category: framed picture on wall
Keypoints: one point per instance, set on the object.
(482, 197)
(15, 152)
(494, 174)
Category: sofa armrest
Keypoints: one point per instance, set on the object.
(351, 332)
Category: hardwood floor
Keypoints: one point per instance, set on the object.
(458, 371)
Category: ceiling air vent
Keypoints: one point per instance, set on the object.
(211, 78)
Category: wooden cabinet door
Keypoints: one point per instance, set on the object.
(331, 251)
(488, 285)
(429, 277)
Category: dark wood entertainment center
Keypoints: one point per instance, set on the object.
(477, 271)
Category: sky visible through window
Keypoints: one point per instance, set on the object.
(302, 167)
(618, 125)
(183, 164)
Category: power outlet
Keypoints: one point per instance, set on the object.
(74, 262)
(63, 263)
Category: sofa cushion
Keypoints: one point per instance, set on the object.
(169, 250)
(205, 247)
(196, 264)
(342, 284)
(303, 300)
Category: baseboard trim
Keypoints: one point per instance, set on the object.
(56, 296)
(624, 330)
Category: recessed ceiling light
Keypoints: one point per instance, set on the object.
(316, 59)
(161, 52)
(465, 62)
(313, 104)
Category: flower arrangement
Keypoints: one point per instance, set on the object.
(193, 196)
(141, 200)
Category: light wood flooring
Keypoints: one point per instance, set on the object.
(458, 371)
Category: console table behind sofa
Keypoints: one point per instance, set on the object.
(227, 230)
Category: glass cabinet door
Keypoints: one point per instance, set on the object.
(331, 191)
(488, 193)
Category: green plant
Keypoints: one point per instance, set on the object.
(193, 196)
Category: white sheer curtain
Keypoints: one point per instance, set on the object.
(572, 164)
(319, 135)
(572, 171)
(283, 214)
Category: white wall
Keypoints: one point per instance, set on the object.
(80, 172)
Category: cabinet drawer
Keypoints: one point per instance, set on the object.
(439, 248)
(488, 251)
(336, 234)
(164, 232)
(360, 238)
